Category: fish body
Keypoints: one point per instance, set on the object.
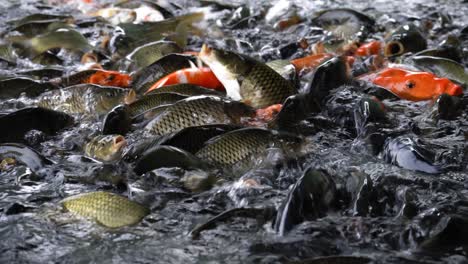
(151, 52)
(247, 79)
(442, 67)
(415, 86)
(197, 76)
(86, 99)
(368, 49)
(310, 62)
(16, 86)
(99, 77)
(237, 147)
(108, 209)
(18, 123)
(144, 78)
(197, 111)
(61, 38)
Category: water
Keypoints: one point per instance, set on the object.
(387, 213)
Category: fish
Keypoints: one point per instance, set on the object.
(87, 99)
(406, 38)
(406, 153)
(190, 139)
(197, 76)
(20, 122)
(238, 146)
(147, 54)
(308, 199)
(16, 86)
(116, 15)
(45, 73)
(370, 48)
(132, 36)
(120, 119)
(105, 147)
(286, 70)
(186, 89)
(60, 38)
(442, 67)
(344, 23)
(108, 209)
(415, 86)
(47, 58)
(39, 17)
(144, 78)
(310, 62)
(25, 155)
(96, 76)
(35, 28)
(247, 79)
(167, 157)
(328, 76)
(197, 111)
(7, 53)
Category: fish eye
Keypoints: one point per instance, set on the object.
(110, 77)
(410, 84)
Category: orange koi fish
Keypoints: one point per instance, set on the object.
(197, 76)
(371, 48)
(415, 86)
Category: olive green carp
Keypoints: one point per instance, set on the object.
(60, 38)
(247, 79)
(86, 99)
(197, 111)
(151, 52)
(105, 147)
(108, 209)
(235, 147)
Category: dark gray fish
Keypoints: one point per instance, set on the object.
(406, 38)
(22, 121)
(309, 199)
(167, 157)
(14, 87)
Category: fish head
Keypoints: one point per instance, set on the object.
(415, 86)
(107, 147)
(231, 61)
(110, 78)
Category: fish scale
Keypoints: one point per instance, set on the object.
(108, 209)
(264, 87)
(234, 147)
(195, 112)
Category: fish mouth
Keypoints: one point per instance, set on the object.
(393, 48)
(205, 51)
(119, 143)
(130, 97)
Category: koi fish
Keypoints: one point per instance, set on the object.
(415, 86)
(197, 76)
(371, 48)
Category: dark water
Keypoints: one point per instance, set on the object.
(390, 214)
